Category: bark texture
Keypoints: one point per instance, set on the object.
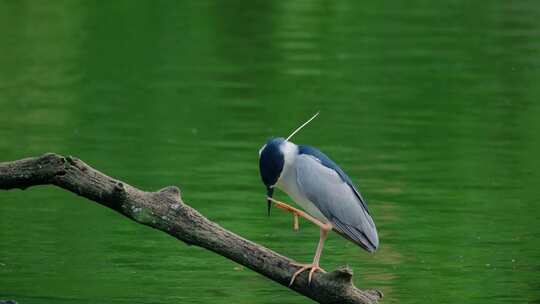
(164, 210)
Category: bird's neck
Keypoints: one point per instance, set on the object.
(290, 151)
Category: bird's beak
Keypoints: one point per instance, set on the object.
(269, 193)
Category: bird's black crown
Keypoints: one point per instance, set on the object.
(271, 161)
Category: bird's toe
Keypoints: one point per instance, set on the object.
(303, 267)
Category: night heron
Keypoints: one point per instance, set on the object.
(322, 189)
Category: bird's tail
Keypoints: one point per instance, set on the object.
(365, 237)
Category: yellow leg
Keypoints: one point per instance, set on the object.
(324, 229)
(297, 212)
(296, 225)
(314, 266)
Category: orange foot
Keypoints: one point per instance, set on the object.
(304, 267)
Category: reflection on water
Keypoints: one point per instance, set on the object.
(431, 108)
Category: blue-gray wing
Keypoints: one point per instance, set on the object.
(336, 200)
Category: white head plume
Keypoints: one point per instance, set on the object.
(303, 125)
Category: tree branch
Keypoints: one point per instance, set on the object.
(165, 211)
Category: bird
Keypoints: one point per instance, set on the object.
(322, 189)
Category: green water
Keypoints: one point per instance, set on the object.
(432, 108)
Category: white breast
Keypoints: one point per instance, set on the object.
(287, 182)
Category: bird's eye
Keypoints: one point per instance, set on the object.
(260, 150)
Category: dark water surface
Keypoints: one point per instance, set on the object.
(433, 109)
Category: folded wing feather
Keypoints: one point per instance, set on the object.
(337, 200)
